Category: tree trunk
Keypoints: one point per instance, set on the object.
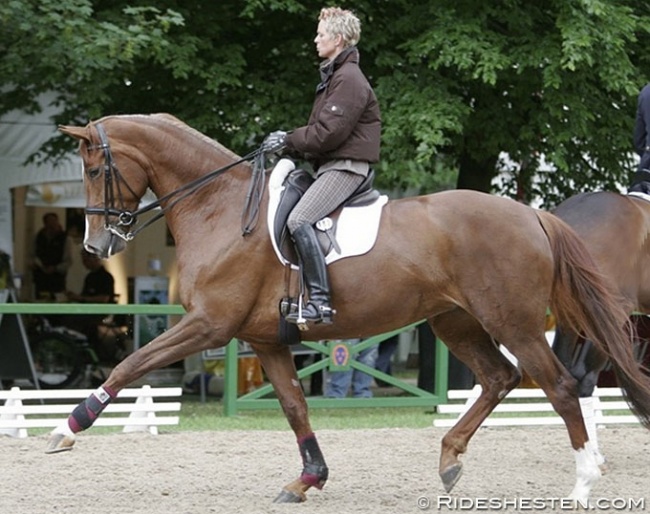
(476, 174)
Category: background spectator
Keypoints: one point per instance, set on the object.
(338, 383)
(52, 258)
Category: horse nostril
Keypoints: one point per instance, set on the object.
(94, 250)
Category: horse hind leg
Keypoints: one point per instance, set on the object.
(468, 341)
(536, 357)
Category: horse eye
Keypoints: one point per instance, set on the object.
(93, 173)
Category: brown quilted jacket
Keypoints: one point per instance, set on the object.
(345, 121)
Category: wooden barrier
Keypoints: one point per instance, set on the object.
(26, 408)
(523, 406)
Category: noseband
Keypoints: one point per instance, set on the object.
(118, 218)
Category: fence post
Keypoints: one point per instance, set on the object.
(144, 398)
(231, 379)
(14, 402)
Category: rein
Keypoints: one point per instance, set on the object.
(128, 219)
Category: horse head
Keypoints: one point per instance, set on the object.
(111, 200)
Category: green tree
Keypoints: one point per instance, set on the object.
(552, 78)
(460, 82)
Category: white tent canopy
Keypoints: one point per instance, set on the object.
(49, 185)
(21, 135)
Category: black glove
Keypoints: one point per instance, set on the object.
(641, 182)
(274, 142)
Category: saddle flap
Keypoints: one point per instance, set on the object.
(295, 185)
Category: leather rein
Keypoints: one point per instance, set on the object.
(122, 222)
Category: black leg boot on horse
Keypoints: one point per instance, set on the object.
(314, 270)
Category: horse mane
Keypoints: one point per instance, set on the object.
(169, 119)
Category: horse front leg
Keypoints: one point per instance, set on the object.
(278, 364)
(190, 335)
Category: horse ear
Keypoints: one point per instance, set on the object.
(77, 132)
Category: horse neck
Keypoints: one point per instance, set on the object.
(177, 156)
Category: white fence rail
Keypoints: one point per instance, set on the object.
(522, 407)
(25, 409)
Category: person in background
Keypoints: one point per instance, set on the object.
(341, 140)
(339, 383)
(385, 352)
(641, 180)
(98, 287)
(99, 284)
(52, 258)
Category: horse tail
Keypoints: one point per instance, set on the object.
(585, 300)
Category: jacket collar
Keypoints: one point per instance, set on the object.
(327, 67)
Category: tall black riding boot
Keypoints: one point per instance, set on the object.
(311, 256)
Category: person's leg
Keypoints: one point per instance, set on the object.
(384, 356)
(426, 358)
(328, 192)
(337, 383)
(361, 381)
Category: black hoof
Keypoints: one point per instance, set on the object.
(451, 475)
(289, 497)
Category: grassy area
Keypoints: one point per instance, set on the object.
(198, 416)
(209, 416)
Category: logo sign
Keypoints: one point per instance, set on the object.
(339, 356)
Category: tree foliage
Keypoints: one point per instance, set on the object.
(461, 83)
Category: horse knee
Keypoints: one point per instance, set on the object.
(587, 385)
(295, 410)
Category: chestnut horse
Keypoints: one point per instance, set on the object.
(616, 230)
(480, 269)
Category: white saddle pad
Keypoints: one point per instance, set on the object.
(357, 227)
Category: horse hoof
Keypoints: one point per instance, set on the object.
(289, 497)
(451, 475)
(59, 443)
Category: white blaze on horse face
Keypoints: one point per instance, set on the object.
(587, 474)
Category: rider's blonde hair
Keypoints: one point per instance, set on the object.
(340, 21)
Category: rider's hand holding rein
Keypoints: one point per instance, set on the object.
(274, 142)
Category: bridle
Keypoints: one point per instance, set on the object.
(122, 222)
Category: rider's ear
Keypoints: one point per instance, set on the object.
(80, 133)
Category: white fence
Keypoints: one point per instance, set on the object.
(524, 406)
(25, 409)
